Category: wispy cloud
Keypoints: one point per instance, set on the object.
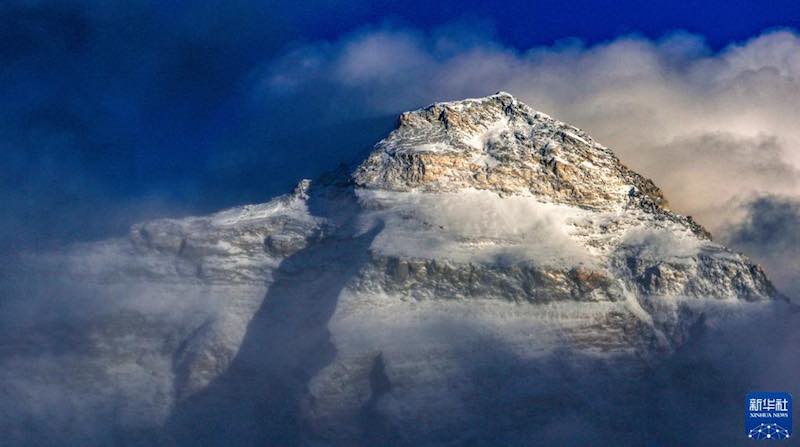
(770, 232)
(671, 108)
(715, 130)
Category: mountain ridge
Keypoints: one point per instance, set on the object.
(349, 307)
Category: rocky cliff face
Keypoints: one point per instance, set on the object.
(481, 246)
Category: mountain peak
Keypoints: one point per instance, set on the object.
(500, 96)
(500, 144)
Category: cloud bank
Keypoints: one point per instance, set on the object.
(115, 115)
(770, 232)
(716, 130)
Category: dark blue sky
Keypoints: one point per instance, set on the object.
(119, 111)
(523, 24)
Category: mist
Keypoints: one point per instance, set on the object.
(114, 116)
(714, 129)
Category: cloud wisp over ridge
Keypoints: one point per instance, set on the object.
(716, 130)
(225, 124)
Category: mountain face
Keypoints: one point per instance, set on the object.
(481, 255)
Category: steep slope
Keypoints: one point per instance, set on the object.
(479, 253)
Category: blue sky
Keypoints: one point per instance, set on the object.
(523, 24)
(116, 112)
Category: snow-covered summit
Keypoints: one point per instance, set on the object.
(499, 144)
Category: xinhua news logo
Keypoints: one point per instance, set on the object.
(768, 415)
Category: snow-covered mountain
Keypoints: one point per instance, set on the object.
(482, 251)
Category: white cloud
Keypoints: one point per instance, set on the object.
(714, 129)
